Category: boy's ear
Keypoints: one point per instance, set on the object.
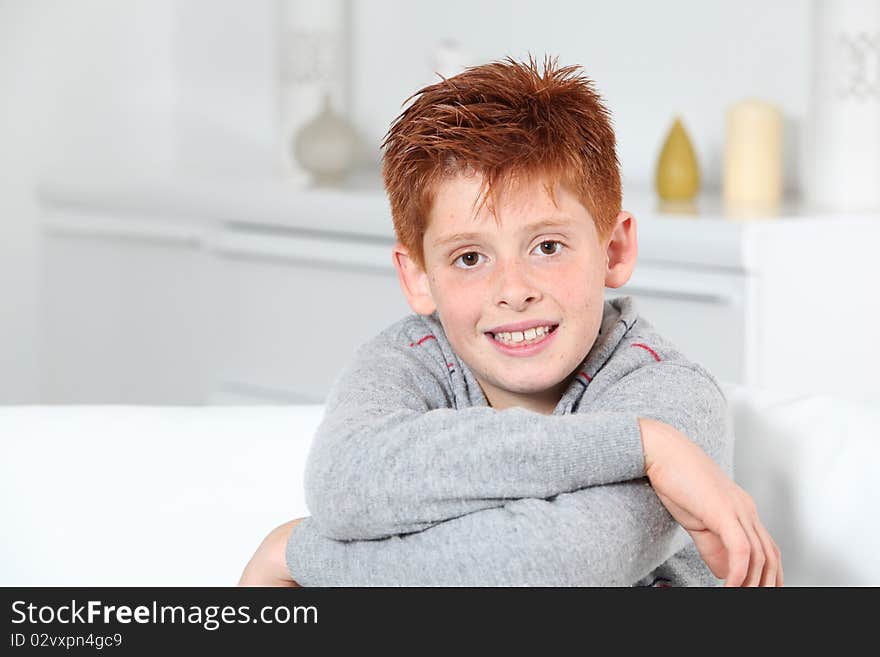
(621, 251)
(413, 281)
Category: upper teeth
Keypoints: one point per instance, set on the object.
(520, 336)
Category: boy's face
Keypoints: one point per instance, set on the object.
(514, 271)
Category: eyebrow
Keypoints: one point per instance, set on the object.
(544, 223)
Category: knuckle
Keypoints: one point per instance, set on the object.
(742, 549)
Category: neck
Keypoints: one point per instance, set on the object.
(543, 402)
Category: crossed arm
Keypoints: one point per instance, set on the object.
(604, 535)
(403, 494)
(374, 473)
(384, 463)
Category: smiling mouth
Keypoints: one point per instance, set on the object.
(523, 338)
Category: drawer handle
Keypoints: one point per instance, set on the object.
(676, 295)
(124, 229)
(338, 253)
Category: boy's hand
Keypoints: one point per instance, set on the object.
(719, 515)
(268, 566)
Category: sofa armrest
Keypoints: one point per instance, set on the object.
(146, 495)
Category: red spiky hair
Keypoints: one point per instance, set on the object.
(507, 121)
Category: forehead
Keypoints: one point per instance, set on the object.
(456, 213)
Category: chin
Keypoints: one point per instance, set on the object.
(532, 387)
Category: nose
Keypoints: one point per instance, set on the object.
(514, 287)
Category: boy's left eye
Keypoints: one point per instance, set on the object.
(469, 260)
(552, 244)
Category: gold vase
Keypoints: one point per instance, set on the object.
(678, 174)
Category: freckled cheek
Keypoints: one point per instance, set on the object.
(569, 297)
(462, 307)
(579, 304)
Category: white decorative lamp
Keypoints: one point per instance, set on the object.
(843, 138)
(313, 74)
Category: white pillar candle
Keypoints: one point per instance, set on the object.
(753, 156)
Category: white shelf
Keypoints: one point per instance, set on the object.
(709, 237)
(359, 209)
(169, 288)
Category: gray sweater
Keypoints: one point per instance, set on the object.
(414, 480)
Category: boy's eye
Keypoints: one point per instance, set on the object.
(549, 247)
(469, 259)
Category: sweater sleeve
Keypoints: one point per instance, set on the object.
(612, 535)
(383, 462)
(604, 534)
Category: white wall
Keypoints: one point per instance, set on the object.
(99, 83)
(90, 77)
(651, 61)
(226, 116)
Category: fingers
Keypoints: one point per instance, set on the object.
(779, 577)
(771, 565)
(738, 552)
(778, 553)
(754, 558)
(766, 562)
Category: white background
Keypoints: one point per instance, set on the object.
(94, 83)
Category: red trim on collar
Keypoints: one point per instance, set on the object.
(644, 346)
(427, 337)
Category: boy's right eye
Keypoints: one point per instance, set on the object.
(469, 260)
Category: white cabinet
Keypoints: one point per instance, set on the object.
(242, 294)
(162, 294)
(702, 311)
(293, 308)
(122, 309)
(783, 303)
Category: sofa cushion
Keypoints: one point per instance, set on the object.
(808, 461)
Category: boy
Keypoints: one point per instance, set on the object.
(517, 429)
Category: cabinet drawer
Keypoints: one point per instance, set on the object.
(703, 313)
(121, 310)
(292, 320)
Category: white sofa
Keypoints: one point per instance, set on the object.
(181, 496)
(145, 495)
